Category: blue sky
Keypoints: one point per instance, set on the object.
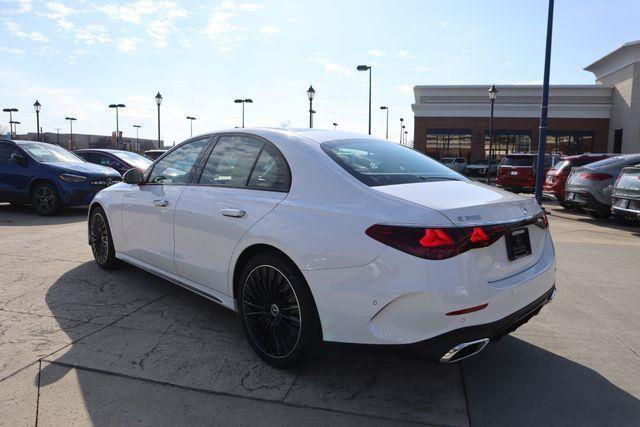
(76, 57)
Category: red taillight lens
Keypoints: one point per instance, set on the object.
(595, 176)
(435, 238)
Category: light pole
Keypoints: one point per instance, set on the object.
(15, 127)
(493, 93)
(191, 119)
(403, 135)
(10, 111)
(542, 137)
(117, 106)
(37, 106)
(310, 94)
(243, 101)
(401, 126)
(406, 138)
(335, 126)
(58, 137)
(137, 136)
(387, 131)
(367, 68)
(71, 120)
(158, 102)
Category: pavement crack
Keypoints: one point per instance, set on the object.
(148, 353)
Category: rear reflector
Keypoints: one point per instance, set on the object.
(595, 176)
(468, 310)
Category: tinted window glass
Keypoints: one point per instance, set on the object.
(45, 153)
(135, 160)
(385, 163)
(518, 160)
(271, 171)
(5, 153)
(231, 161)
(614, 162)
(175, 167)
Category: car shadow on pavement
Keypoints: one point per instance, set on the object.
(24, 216)
(147, 329)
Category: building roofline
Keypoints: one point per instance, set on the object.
(511, 86)
(598, 61)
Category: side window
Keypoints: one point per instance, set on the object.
(231, 161)
(5, 153)
(175, 167)
(270, 172)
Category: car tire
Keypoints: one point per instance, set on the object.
(277, 310)
(624, 219)
(566, 205)
(100, 240)
(45, 199)
(599, 214)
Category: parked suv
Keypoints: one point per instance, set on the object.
(119, 160)
(590, 187)
(556, 177)
(48, 176)
(517, 171)
(479, 168)
(625, 198)
(456, 163)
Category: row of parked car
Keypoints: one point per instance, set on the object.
(49, 177)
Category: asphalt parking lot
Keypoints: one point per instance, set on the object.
(79, 345)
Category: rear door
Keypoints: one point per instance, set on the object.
(14, 178)
(242, 180)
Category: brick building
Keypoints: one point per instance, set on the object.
(603, 117)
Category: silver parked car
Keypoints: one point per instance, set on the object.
(456, 163)
(625, 198)
(590, 186)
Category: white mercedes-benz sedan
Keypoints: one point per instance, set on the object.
(315, 235)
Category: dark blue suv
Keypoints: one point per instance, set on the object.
(48, 176)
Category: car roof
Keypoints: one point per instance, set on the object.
(313, 135)
(102, 150)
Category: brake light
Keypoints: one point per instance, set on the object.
(595, 176)
(435, 237)
(478, 236)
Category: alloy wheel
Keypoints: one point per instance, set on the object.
(45, 199)
(99, 238)
(271, 312)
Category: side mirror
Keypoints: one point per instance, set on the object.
(19, 159)
(133, 176)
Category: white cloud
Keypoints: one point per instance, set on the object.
(270, 29)
(15, 30)
(376, 53)
(59, 14)
(185, 43)
(333, 68)
(406, 88)
(127, 44)
(92, 34)
(221, 29)
(21, 6)
(11, 50)
(403, 53)
(421, 69)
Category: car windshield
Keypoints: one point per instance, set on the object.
(518, 160)
(613, 162)
(47, 153)
(447, 160)
(561, 165)
(134, 159)
(378, 163)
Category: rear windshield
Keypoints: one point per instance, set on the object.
(518, 161)
(614, 161)
(562, 164)
(377, 163)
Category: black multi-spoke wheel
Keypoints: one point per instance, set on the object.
(277, 309)
(44, 198)
(100, 239)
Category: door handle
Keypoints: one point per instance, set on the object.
(161, 203)
(233, 213)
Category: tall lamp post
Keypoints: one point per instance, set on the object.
(10, 111)
(401, 126)
(335, 125)
(137, 136)
(542, 138)
(117, 106)
(191, 119)
(15, 126)
(493, 92)
(37, 106)
(243, 101)
(310, 94)
(367, 68)
(71, 120)
(387, 131)
(58, 137)
(406, 138)
(158, 102)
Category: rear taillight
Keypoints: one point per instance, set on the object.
(595, 176)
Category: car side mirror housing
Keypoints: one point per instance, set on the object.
(133, 176)
(19, 159)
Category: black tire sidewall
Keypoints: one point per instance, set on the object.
(111, 261)
(310, 334)
(57, 201)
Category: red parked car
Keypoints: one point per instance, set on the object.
(517, 171)
(556, 177)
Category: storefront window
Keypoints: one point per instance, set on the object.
(448, 143)
(569, 143)
(506, 142)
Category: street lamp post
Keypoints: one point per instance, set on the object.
(401, 126)
(367, 68)
(71, 120)
(158, 102)
(387, 131)
(243, 101)
(335, 126)
(406, 138)
(137, 136)
(15, 126)
(403, 135)
(191, 119)
(10, 111)
(493, 92)
(117, 106)
(37, 106)
(310, 94)
(58, 136)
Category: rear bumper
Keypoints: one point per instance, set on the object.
(587, 201)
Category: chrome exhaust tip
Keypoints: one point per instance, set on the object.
(464, 350)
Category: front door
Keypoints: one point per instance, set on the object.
(243, 179)
(148, 209)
